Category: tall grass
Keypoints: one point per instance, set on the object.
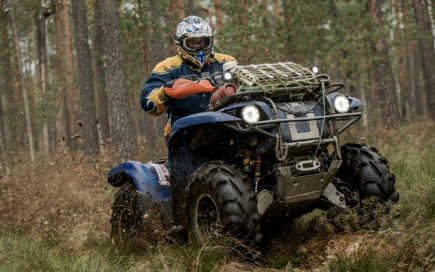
(410, 151)
(19, 252)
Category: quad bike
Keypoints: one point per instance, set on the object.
(267, 147)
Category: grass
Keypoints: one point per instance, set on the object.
(20, 252)
(54, 216)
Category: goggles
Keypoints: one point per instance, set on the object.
(196, 43)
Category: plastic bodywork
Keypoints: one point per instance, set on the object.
(144, 176)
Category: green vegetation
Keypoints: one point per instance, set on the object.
(63, 224)
(20, 252)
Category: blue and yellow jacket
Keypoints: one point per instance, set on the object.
(152, 100)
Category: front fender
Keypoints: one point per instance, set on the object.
(149, 178)
(202, 118)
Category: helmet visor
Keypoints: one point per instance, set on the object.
(197, 43)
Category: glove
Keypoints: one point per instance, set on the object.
(183, 88)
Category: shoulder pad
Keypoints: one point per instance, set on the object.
(223, 57)
(168, 64)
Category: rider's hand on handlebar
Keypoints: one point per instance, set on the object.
(169, 84)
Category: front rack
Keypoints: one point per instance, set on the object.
(268, 76)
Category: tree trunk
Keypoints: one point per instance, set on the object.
(276, 9)
(7, 90)
(404, 103)
(24, 89)
(178, 9)
(64, 129)
(102, 109)
(140, 118)
(382, 71)
(425, 43)
(143, 25)
(5, 64)
(72, 94)
(42, 13)
(219, 15)
(117, 94)
(87, 100)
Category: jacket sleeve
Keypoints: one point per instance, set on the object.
(152, 98)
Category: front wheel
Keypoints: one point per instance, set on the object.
(366, 183)
(220, 200)
(367, 174)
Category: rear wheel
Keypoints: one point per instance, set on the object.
(136, 219)
(127, 214)
(220, 201)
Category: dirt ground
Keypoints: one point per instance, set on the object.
(65, 198)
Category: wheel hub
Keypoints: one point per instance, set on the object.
(207, 217)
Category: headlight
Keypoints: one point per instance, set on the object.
(250, 114)
(341, 104)
(228, 75)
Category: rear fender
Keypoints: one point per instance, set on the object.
(150, 179)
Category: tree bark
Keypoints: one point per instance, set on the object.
(143, 25)
(72, 94)
(382, 71)
(7, 90)
(100, 73)
(219, 15)
(24, 90)
(64, 129)
(5, 64)
(404, 103)
(178, 9)
(88, 120)
(425, 43)
(141, 118)
(117, 94)
(42, 14)
(276, 10)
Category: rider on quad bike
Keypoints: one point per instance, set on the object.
(195, 60)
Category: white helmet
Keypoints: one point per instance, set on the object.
(194, 38)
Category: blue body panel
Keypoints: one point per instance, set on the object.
(143, 175)
(202, 118)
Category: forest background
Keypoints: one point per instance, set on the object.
(72, 71)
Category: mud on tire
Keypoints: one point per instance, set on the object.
(219, 201)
